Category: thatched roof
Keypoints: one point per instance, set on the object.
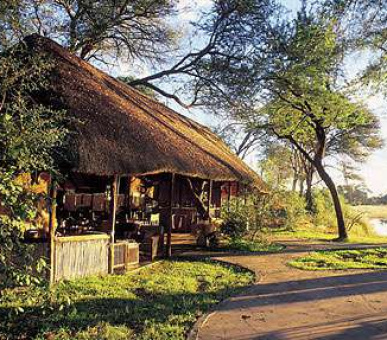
(122, 131)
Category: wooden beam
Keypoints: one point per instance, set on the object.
(112, 219)
(52, 228)
(168, 248)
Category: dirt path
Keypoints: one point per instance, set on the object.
(288, 303)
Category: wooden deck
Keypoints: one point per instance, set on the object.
(182, 242)
(183, 239)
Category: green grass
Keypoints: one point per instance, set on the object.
(343, 259)
(372, 211)
(245, 245)
(159, 302)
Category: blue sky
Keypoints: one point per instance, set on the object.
(374, 170)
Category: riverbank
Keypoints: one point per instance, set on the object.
(367, 225)
(375, 216)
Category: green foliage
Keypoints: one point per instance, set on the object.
(246, 214)
(324, 212)
(343, 259)
(142, 88)
(307, 99)
(324, 215)
(292, 206)
(157, 302)
(276, 166)
(298, 95)
(234, 226)
(363, 23)
(30, 133)
(96, 29)
(18, 265)
(31, 138)
(247, 218)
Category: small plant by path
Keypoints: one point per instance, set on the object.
(343, 259)
(159, 302)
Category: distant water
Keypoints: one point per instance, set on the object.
(379, 225)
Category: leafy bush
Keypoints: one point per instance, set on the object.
(234, 225)
(324, 212)
(325, 216)
(293, 209)
(18, 265)
(255, 213)
(32, 136)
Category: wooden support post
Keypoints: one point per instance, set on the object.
(210, 185)
(112, 219)
(228, 196)
(52, 228)
(168, 249)
(129, 193)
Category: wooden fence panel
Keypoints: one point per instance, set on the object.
(80, 256)
(126, 255)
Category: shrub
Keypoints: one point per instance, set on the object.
(235, 224)
(324, 212)
(293, 208)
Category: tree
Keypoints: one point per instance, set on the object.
(93, 29)
(143, 89)
(241, 140)
(294, 87)
(307, 111)
(364, 27)
(143, 30)
(276, 166)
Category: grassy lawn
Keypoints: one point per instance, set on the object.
(343, 259)
(157, 302)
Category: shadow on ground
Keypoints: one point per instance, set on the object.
(316, 289)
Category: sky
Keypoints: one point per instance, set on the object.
(373, 171)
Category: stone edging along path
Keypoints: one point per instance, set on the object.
(275, 305)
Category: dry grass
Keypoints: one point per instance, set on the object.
(372, 211)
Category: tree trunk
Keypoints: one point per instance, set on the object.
(301, 188)
(197, 193)
(308, 192)
(295, 182)
(336, 201)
